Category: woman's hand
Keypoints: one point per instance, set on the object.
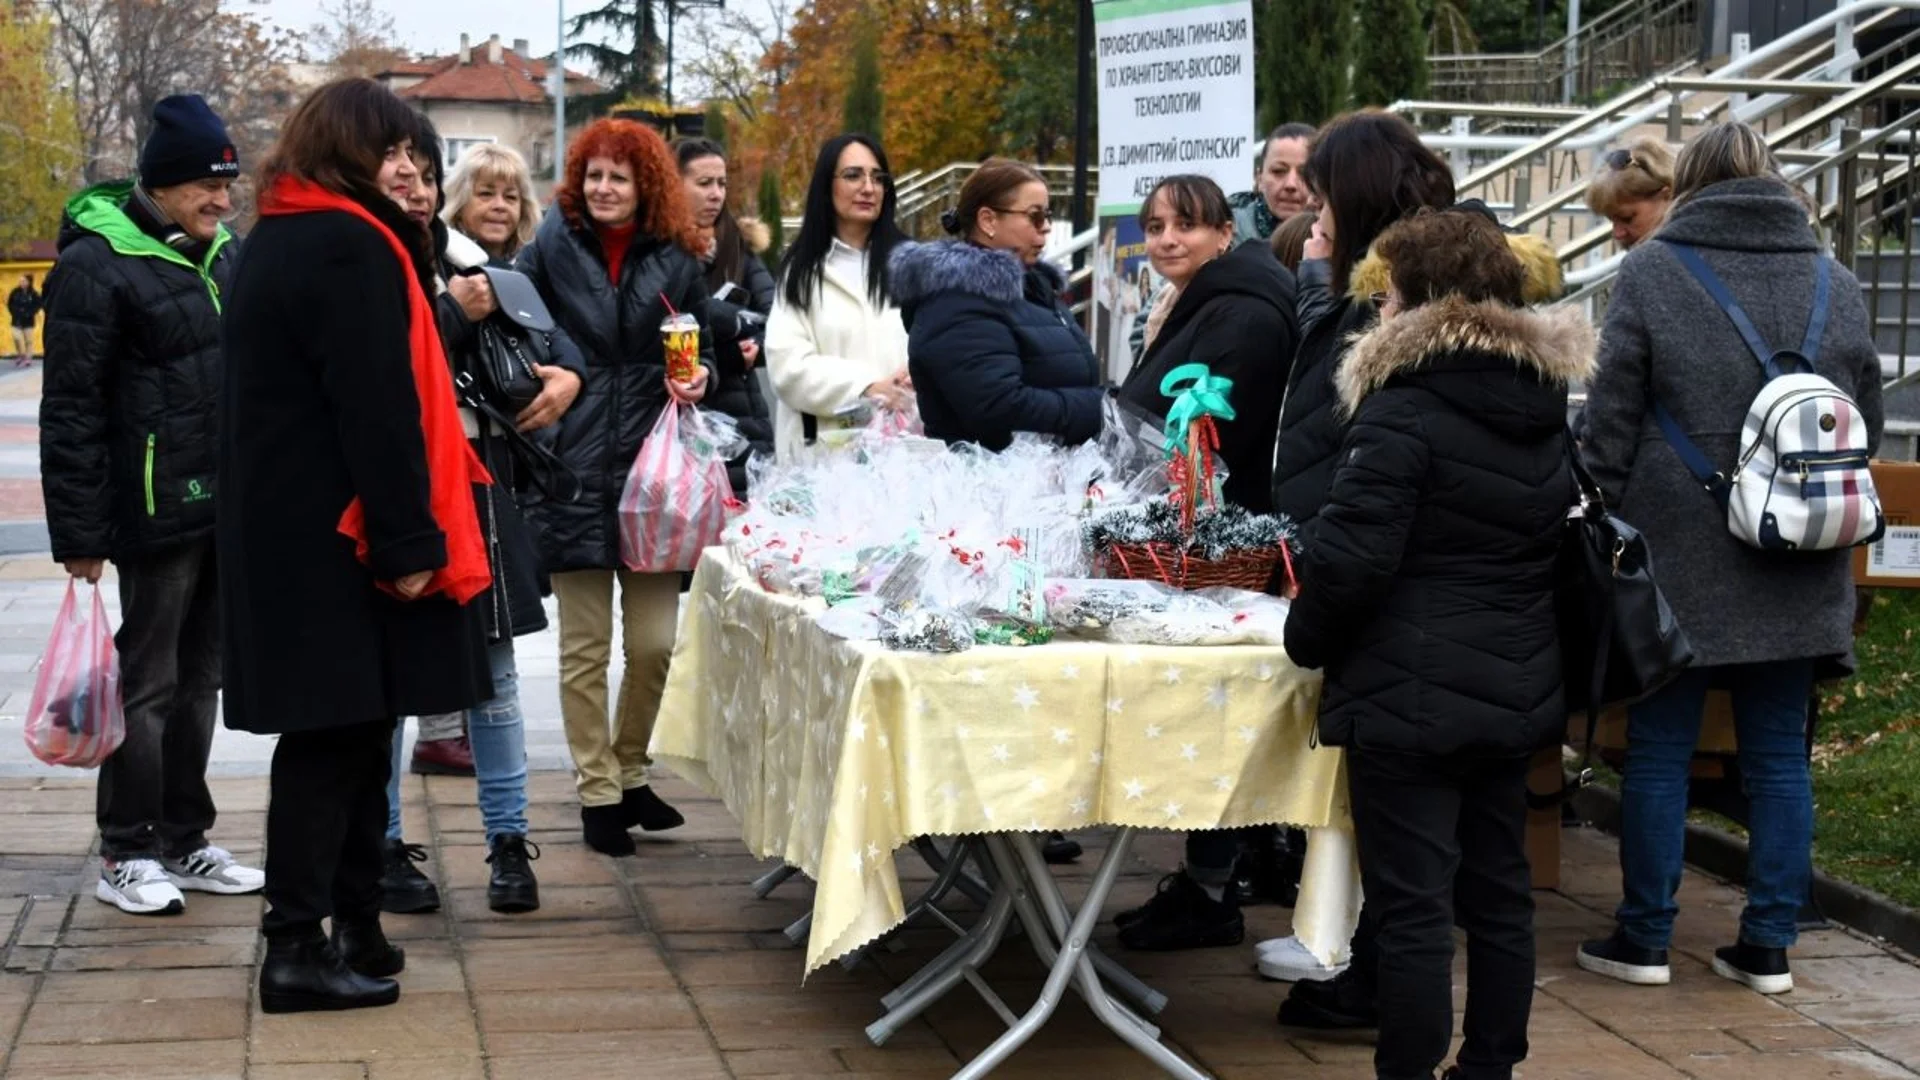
(474, 295)
(749, 352)
(691, 391)
(411, 586)
(1317, 246)
(558, 388)
(894, 393)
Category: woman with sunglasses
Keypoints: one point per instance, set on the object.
(1633, 189)
(834, 338)
(991, 350)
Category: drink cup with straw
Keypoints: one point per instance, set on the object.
(680, 338)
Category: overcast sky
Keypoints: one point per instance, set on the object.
(435, 26)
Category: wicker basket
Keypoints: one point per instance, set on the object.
(1164, 563)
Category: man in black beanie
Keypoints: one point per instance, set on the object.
(127, 447)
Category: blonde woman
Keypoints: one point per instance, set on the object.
(1633, 189)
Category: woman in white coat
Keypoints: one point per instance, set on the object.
(834, 339)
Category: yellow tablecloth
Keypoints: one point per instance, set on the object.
(834, 753)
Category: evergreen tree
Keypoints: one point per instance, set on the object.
(1304, 49)
(1038, 68)
(629, 65)
(1390, 52)
(716, 122)
(865, 104)
(772, 210)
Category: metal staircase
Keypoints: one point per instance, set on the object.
(1622, 46)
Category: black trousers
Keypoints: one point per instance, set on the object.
(1442, 841)
(152, 799)
(326, 827)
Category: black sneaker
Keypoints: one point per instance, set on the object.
(1618, 958)
(1182, 916)
(1764, 971)
(1058, 849)
(511, 888)
(404, 890)
(1342, 1003)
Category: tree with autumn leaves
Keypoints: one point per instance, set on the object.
(39, 139)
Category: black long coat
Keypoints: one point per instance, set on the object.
(617, 330)
(318, 406)
(1427, 590)
(1237, 318)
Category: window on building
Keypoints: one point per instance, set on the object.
(459, 146)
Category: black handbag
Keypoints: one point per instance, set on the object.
(1619, 641)
(512, 343)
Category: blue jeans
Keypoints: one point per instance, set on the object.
(499, 735)
(1770, 723)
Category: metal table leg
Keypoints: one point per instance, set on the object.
(1071, 963)
(960, 963)
(764, 885)
(1035, 870)
(950, 871)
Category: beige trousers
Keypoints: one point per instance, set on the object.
(610, 752)
(22, 343)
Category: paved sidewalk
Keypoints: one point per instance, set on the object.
(664, 966)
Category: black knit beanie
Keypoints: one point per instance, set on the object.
(188, 143)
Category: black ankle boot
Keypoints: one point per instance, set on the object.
(640, 807)
(604, 828)
(511, 888)
(307, 975)
(404, 890)
(364, 947)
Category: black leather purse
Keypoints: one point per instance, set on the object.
(511, 343)
(1619, 641)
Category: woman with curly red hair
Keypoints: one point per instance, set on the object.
(613, 254)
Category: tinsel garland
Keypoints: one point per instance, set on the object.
(1217, 531)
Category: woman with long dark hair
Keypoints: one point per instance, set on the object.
(615, 255)
(349, 548)
(740, 294)
(834, 338)
(991, 348)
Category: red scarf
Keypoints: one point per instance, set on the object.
(452, 466)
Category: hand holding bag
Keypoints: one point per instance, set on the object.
(76, 718)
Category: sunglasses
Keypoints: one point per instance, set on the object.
(1620, 160)
(1039, 216)
(1379, 299)
(855, 176)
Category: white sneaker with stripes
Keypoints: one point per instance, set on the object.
(139, 887)
(213, 870)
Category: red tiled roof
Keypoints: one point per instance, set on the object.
(515, 78)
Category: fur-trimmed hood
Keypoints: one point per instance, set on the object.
(1556, 345)
(1544, 279)
(922, 270)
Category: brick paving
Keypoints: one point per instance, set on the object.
(665, 966)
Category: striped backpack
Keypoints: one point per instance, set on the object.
(1801, 482)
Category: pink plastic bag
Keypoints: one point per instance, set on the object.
(76, 717)
(677, 497)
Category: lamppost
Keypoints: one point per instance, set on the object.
(558, 74)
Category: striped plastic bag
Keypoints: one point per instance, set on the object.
(76, 718)
(677, 496)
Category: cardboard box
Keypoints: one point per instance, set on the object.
(1716, 728)
(1543, 826)
(1893, 561)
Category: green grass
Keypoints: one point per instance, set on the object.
(1866, 774)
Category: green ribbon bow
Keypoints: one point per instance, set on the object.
(1196, 392)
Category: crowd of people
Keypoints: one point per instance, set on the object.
(389, 519)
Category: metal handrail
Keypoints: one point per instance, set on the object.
(1563, 137)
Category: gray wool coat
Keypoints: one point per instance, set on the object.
(1737, 604)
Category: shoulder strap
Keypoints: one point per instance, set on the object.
(1717, 289)
(1822, 295)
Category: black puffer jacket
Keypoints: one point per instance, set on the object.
(1237, 318)
(1310, 423)
(128, 432)
(990, 349)
(617, 330)
(1427, 594)
(737, 392)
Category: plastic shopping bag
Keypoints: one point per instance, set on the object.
(76, 718)
(677, 496)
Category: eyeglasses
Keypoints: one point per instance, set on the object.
(1040, 216)
(1379, 299)
(855, 176)
(1619, 160)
